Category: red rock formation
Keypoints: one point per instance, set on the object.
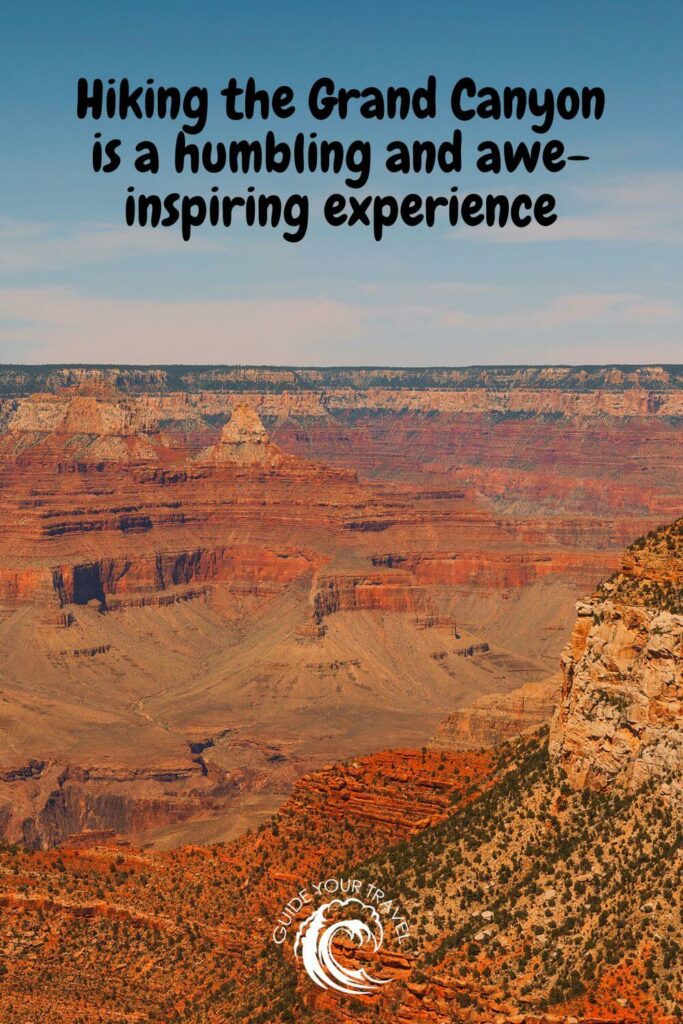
(171, 566)
(397, 792)
(44, 804)
(243, 442)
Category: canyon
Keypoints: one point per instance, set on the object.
(215, 580)
(541, 878)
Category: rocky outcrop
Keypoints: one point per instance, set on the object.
(46, 804)
(397, 592)
(244, 441)
(397, 792)
(620, 716)
(101, 427)
(146, 579)
(105, 414)
(495, 718)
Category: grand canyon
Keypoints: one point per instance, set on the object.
(262, 626)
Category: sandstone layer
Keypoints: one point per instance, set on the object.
(491, 720)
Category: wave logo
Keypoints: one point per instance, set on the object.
(316, 936)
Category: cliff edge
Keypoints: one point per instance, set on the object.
(619, 717)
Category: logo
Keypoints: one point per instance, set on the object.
(314, 946)
(355, 916)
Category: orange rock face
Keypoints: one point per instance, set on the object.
(237, 891)
(244, 441)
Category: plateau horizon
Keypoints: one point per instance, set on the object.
(118, 99)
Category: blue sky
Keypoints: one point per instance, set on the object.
(603, 286)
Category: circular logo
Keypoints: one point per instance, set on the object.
(316, 935)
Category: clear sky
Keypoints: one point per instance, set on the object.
(604, 285)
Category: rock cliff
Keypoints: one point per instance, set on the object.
(496, 718)
(619, 718)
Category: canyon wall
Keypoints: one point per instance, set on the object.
(301, 565)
